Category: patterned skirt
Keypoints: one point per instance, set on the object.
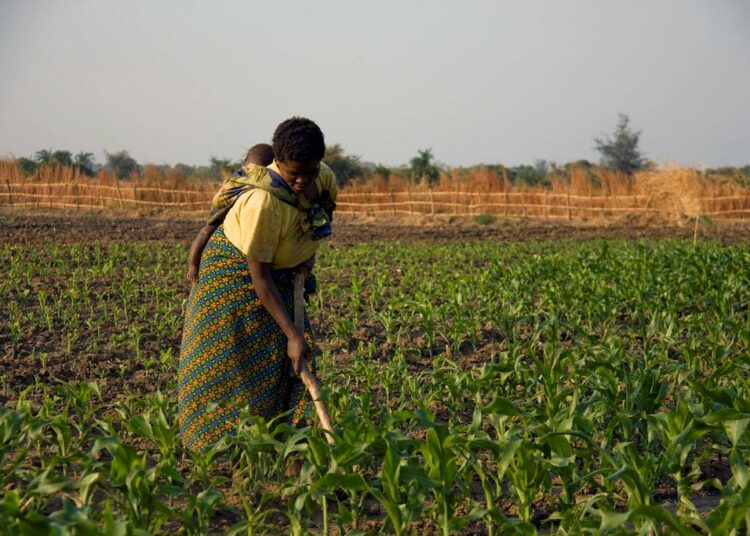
(233, 352)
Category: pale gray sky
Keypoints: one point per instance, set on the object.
(477, 81)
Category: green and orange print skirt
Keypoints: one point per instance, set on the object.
(233, 352)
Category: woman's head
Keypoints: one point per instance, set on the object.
(298, 148)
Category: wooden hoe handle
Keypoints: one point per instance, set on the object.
(308, 377)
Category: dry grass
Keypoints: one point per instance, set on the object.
(56, 186)
(673, 193)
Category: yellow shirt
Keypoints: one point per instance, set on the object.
(266, 229)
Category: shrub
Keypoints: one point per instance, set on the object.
(484, 219)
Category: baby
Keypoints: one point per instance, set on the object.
(258, 155)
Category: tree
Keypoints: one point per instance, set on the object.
(542, 167)
(122, 164)
(28, 166)
(43, 157)
(620, 152)
(526, 174)
(184, 169)
(422, 166)
(582, 163)
(382, 170)
(345, 166)
(62, 158)
(85, 163)
(219, 165)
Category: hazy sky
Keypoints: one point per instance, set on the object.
(476, 81)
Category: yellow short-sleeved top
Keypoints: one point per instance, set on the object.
(266, 229)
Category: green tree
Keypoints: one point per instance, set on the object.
(184, 169)
(345, 166)
(222, 164)
(744, 175)
(382, 170)
(85, 163)
(28, 166)
(530, 175)
(583, 163)
(542, 167)
(43, 157)
(62, 158)
(740, 175)
(423, 165)
(620, 151)
(122, 164)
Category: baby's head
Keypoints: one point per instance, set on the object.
(260, 155)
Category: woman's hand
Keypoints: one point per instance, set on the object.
(192, 274)
(297, 349)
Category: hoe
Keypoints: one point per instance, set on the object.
(308, 377)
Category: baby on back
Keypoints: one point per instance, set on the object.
(259, 156)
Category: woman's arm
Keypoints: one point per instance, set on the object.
(297, 347)
(196, 249)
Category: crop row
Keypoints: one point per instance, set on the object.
(493, 388)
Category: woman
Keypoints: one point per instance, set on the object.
(240, 346)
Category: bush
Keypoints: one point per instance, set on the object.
(484, 219)
(346, 166)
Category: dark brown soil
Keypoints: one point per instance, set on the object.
(21, 229)
(117, 371)
(119, 374)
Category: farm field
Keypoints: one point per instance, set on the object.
(72, 228)
(506, 379)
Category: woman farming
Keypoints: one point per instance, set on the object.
(239, 344)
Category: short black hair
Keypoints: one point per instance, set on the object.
(298, 140)
(260, 154)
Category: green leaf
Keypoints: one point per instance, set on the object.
(658, 513)
(723, 415)
(502, 406)
(299, 503)
(508, 451)
(86, 486)
(47, 484)
(732, 511)
(735, 429)
(11, 503)
(414, 474)
(392, 510)
(738, 464)
(112, 526)
(348, 482)
(345, 516)
(613, 520)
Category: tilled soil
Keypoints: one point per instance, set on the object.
(119, 374)
(20, 364)
(75, 228)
